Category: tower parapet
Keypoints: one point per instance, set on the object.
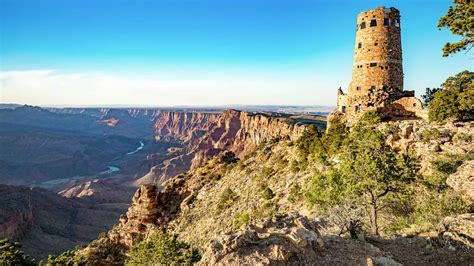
(377, 71)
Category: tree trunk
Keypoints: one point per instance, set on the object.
(373, 218)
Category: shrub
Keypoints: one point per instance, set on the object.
(267, 172)
(266, 192)
(428, 135)
(162, 248)
(267, 209)
(369, 118)
(324, 191)
(455, 101)
(227, 196)
(442, 168)
(436, 207)
(66, 258)
(295, 193)
(241, 219)
(444, 106)
(10, 254)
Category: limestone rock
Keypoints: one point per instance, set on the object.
(458, 232)
(287, 239)
(463, 181)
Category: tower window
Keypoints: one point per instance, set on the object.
(414, 104)
(375, 44)
(362, 25)
(359, 45)
(370, 104)
(373, 23)
(372, 89)
(358, 88)
(386, 21)
(343, 109)
(396, 22)
(373, 64)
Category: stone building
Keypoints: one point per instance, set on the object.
(377, 71)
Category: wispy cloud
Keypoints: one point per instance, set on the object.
(53, 87)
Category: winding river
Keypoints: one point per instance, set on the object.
(111, 169)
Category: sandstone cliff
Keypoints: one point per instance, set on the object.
(208, 134)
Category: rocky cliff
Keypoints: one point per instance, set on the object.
(208, 134)
(46, 223)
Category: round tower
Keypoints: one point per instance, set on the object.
(377, 73)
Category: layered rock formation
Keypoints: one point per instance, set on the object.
(99, 191)
(47, 223)
(209, 134)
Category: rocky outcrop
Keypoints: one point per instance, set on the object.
(458, 232)
(291, 240)
(99, 191)
(463, 181)
(429, 140)
(46, 223)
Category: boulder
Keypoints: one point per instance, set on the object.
(458, 232)
(463, 181)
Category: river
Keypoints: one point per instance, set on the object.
(111, 169)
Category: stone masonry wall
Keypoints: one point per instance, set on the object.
(377, 71)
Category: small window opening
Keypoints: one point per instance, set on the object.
(373, 23)
(414, 104)
(370, 105)
(372, 89)
(373, 64)
(343, 109)
(375, 44)
(362, 25)
(386, 21)
(357, 108)
(359, 45)
(381, 67)
(396, 22)
(358, 88)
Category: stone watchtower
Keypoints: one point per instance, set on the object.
(377, 71)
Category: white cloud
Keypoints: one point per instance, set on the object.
(53, 87)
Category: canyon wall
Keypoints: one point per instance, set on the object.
(208, 134)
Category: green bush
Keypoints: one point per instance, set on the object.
(241, 219)
(10, 254)
(430, 212)
(324, 190)
(268, 209)
(267, 193)
(455, 101)
(226, 197)
(444, 106)
(442, 168)
(164, 249)
(295, 194)
(368, 119)
(428, 135)
(66, 258)
(267, 172)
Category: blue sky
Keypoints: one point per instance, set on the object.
(215, 52)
